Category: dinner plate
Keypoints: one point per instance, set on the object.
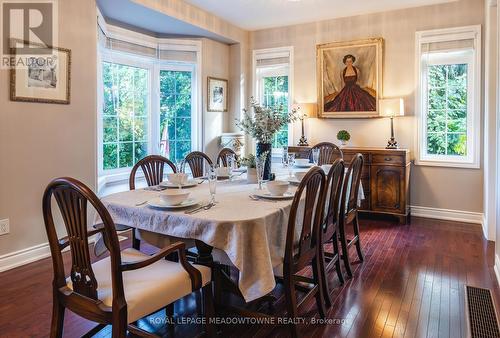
(294, 181)
(308, 165)
(188, 184)
(157, 203)
(285, 196)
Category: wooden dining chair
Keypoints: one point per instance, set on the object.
(125, 286)
(330, 226)
(153, 168)
(349, 211)
(328, 153)
(222, 159)
(303, 251)
(196, 161)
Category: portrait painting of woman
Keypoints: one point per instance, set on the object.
(349, 78)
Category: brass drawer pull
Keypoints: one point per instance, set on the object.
(387, 159)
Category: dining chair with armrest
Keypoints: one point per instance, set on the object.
(125, 286)
(349, 211)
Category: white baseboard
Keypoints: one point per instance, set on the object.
(451, 215)
(496, 267)
(29, 255)
(18, 258)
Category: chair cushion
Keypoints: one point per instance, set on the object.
(148, 289)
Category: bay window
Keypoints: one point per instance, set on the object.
(149, 94)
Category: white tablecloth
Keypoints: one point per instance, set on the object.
(251, 233)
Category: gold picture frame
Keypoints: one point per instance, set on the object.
(217, 94)
(349, 78)
(42, 83)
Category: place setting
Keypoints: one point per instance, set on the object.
(275, 191)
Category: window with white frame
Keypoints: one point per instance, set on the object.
(448, 96)
(149, 94)
(273, 87)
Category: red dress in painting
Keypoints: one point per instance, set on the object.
(352, 97)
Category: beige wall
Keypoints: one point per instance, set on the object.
(215, 64)
(39, 142)
(447, 188)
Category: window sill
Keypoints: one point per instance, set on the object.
(448, 164)
(116, 179)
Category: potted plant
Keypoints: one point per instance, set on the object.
(262, 125)
(249, 162)
(343, 136)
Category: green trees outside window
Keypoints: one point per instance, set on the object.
(276, 94)
(447, 110)
(125, 115)
(175, 114)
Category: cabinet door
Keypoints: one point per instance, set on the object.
(387, 188)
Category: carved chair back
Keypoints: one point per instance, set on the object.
(153, 167)
(299, 253)
(221, 158)
(72, 198)
(197, 161)
(334, 191)
(328, 153)
(350, 190)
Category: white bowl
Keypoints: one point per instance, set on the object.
(222, 171)
(174, 197)
(277, 188)
(177, 178)
(301, 161)
(326, 168)
(299, 175)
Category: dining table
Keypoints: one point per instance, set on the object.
(250, 232)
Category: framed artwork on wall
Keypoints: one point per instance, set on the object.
(349, 76)
(217, 95)
(44, 78)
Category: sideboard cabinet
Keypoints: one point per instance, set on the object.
(385, 178)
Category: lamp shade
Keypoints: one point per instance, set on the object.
(306, 109)
(391, 107)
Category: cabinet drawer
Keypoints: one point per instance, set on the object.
(348, 158)
(388, 159)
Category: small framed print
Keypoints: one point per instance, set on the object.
(217, 95)
(44, 78)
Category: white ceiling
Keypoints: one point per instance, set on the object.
(260, 14)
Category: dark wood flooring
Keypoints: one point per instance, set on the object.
(410, 285)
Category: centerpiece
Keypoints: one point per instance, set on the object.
(262, 125)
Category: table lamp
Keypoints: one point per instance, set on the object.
(392, 108)
(305, 110)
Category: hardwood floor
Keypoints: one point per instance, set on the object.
(410, 285)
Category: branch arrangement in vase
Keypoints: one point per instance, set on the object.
(265, 121)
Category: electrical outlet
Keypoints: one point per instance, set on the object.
(4, 226)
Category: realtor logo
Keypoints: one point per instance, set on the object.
(28, 26)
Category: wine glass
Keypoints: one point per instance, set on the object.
(260, 164)
(212, 182)
(291, 163)
(231, 163)
(315, 156)
(284, 158)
